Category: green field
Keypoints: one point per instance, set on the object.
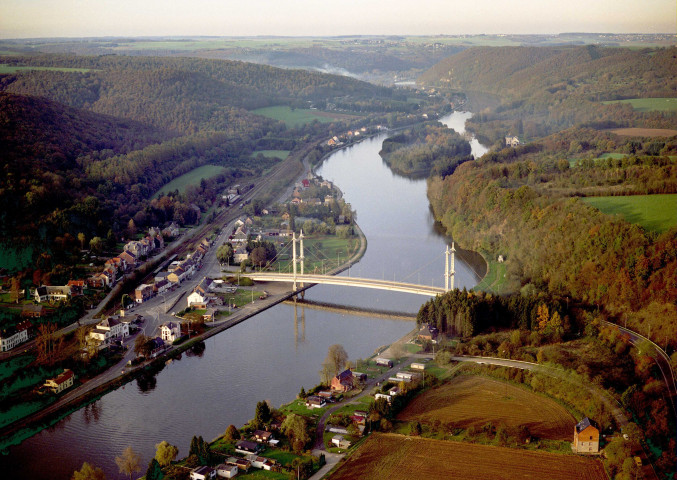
(494, 280)
(5, 69)
(281, 154)
(191, 178)
(604, 156)
(649, 104)
(293, 118)
(656, 213)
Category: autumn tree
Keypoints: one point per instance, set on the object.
(48, 344)
(81, 239)
(129, 462)
(337, 358)
(232, 434)
(295, 428)
(96, 244)
(14, 290)
(88, 472)
(165, 453)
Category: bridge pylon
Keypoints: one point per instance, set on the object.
(295, 259)
(449, 267)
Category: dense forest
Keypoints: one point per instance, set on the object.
(424, 149)
(87, 141)
(546, 89)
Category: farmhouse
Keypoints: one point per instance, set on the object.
(61, 382)
(343, 381)
(586, 437)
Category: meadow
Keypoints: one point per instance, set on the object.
(295, 117)
(191, 178)
(656, 213)
(388, 456)
(281, 154)
(649, 104)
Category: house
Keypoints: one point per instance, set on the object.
(76, 286)
(208, 315)
(51, 293)
(61, 382)
(384, 362)
(246, 447)
(262, 436)
(161, 286)
(224, 470)
(31, 310)
(343, 381)
(387, 398)
(206, 285)
(305, 183)
(512, 141)
(586, 437)
(428, 333)
(340, 441)
(109, 329)
(171, 231)
(143, 292)
(196, 298)
(242, 464)
(12, 337)
(240, 255)
(176, 276)
(129, 258)
(170, 331)
(261, 462)
(100, 280)
(315, 401)
(202, 473)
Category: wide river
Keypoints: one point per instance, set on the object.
(271, 355)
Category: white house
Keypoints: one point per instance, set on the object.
(110, 328)
(196, 298)
(340, 441)
(202, 473)
(260, 462)
(11, 338)
(61, 382)
(226, 471)
(170, 331)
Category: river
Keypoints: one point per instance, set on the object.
(270, 356)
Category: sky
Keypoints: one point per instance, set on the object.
(93, 18)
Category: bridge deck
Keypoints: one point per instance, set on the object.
(349, 282)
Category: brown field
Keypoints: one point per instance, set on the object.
(644, 132)
(474, 400)
(389, 456)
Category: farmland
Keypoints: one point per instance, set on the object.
(649, 104)
(191, 178)
(473, 401)
(386, 456)
(644, 132)
(656, 213)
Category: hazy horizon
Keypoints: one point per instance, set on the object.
(307, 18)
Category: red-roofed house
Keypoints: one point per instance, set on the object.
(62, 381)
(343, 381)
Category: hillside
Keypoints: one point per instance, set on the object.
(546, 89)
(181, 94)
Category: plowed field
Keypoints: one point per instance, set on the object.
(474, 400)
(387, 456)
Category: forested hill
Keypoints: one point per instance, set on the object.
(546, 89)
(182, 94)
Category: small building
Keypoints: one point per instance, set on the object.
(61, 382)
(262, 436)
(337, 429)
(170, 331)
(586, 437)
(387, 398)
(340, 441)
(417, 366)
(359, 376)
(31, 310)
(225, 470)
(246, 447)
(315, 401)
(384, 362)
(512, 141)
(261, 462)
(242, 464)
(143, 292)
(202, 473)
(428, 333)
(11, 337)
(343, 381)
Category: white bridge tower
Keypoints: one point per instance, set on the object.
(449, 267)
(295, 259)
